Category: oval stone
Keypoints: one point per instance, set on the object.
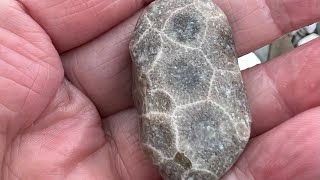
(188, 89)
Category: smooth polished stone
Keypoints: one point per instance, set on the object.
(188, 89)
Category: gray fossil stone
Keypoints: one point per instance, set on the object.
(188, 89)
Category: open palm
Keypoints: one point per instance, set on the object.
(65, 91)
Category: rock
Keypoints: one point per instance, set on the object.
(188, 89)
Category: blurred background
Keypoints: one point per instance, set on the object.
(280, 46)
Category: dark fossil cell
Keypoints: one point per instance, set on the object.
(186, 27)
(185, 76)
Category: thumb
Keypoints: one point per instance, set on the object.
(30, 68)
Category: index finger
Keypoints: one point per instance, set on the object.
(256, 23)
(71, 23)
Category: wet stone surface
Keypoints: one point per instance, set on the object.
(188, 90)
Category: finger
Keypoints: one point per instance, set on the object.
(102, 69)
(71, 23)
(74, 22)
(290, 151)
(123, 128)
(284, 87)
(259, 22)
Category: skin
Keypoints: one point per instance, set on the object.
(66, 108)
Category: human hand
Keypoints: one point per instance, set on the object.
(66, 108)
